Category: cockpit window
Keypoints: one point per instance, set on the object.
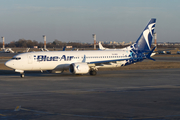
(16, 58)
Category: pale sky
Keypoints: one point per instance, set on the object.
(77, 20)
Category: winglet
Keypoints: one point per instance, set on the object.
(84, 59)
(64, 48)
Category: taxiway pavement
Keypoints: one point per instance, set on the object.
(128, 94)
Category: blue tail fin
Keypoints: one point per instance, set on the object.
(144, 41)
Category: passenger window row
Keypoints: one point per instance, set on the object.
(101, 57)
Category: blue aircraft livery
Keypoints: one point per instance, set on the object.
(52, 58)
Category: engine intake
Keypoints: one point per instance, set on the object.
(79, 68)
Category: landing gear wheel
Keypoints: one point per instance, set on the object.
(92, 72)
(22, 75)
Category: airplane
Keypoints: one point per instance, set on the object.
(83, 62)
(103, 48)
(27, 50)
(6, 50)
(43, 49)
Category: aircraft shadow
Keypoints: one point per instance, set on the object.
(40, 74)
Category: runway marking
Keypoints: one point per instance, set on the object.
(17, 108)
(64, 114)
(89, 116)
(2, 115)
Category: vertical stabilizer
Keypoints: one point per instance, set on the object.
(101, 47)
(145, 39)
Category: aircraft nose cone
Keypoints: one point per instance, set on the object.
(8, 64)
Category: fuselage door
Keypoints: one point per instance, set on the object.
(30, 59)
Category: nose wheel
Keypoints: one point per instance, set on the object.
(22, 75)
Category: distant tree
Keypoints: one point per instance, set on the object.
(29, 44)
(35, 43)
(11, 44)
(57, 42)
(21, 43)
(50, 45)
(40, 45)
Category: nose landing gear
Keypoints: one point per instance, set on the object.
(22, 75)
(21, 72)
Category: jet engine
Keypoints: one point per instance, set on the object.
(79, 68)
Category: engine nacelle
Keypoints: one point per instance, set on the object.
(79, 68)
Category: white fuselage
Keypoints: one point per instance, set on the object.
(60, 60)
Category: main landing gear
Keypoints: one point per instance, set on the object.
(93, 72)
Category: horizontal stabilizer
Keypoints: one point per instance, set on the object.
(148, 56)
